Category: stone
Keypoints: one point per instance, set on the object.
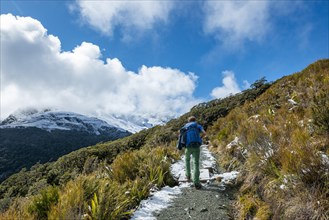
(219, 178)
(222, 207)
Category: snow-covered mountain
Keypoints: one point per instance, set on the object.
(49, 120)
(61, 120)
(32, 135)
(134, 123)
(29, 136)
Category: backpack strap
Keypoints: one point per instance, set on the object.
(190, 126)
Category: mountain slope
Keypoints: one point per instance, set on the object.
(274, 134)
(97, 158)
(280, 143)
(134, 123)
(50, 120)
(30, 136)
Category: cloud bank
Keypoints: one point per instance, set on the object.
(105, 16)
(233, 22)
(230, 86)
(36, 72)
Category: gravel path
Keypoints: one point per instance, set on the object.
(213, 201)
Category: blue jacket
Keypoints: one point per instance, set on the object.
(193, 133)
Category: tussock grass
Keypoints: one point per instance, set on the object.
(113, 191)
(18, 210)
(282, 148)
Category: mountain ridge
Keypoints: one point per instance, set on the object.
(28, 117)
(54, 119)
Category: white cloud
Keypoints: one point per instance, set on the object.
(36, 72)
(230, 86)
(233, 22)
(246, 84)
(105, 16)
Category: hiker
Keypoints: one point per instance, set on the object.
(193, 143)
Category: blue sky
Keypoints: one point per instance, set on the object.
(171, 54)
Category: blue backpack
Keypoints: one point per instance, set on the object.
(188, 134)
(182, 138)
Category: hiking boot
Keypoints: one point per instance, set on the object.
(197, 186)
(189, 179)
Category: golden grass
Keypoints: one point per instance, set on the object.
(111, 192)
(283, 173)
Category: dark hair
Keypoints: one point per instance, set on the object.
(191, 119)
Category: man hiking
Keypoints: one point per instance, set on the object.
(193, 143)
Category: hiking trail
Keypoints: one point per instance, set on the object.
(212, 201)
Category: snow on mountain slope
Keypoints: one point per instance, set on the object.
(49, 120)
(134, 123)
(52, 119)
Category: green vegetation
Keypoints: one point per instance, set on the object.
(320, 110)
(110, 192)
(31, 145)
(42, 203)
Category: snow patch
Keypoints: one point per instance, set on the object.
(291, 101)
(207, 158)
(134, 123)
(325, 159)
(227, 177)
(254, 117)
(177, 167)
(159, 200)
(233, 143)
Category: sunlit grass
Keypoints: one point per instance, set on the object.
(282, 148)
(112, 192)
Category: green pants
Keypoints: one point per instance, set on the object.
(195, 152)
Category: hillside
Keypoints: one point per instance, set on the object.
(276, 135)
(85, 162)
(280, 143)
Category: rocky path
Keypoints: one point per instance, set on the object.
(208, 203)
(213, 201)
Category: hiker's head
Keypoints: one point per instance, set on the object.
(191, 119)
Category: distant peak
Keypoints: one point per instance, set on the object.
(29, 111)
